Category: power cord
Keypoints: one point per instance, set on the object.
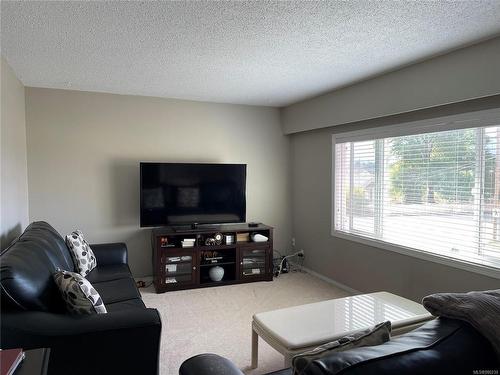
(143, 284)
(279, 270)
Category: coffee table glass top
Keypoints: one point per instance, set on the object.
(307, 325)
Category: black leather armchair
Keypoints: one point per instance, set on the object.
(442, 346)
(126, 340)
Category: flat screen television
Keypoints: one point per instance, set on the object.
(178, 194)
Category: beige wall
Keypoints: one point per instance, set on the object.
(468, 73)
(84, 151)
(359, 266)
(14, 176)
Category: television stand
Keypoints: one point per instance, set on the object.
(235, 257)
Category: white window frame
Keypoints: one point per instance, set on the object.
(483, 118)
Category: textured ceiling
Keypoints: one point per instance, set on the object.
(249, 52)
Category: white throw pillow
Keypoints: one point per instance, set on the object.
(78, 293)
(82, 254)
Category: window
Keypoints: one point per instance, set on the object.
(434, 193)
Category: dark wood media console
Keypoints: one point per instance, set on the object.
(176, 267)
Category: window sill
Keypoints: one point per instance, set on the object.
(420, 254)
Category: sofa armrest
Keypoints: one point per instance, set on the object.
(441, 346)
(208, 364)
(110, 253)
(119, 342)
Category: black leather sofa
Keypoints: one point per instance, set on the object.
(442, 346)
(126, 340)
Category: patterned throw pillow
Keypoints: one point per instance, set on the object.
(369, 337)
(82, 254)
(79, 295)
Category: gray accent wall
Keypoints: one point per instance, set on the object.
(84, 151)
(14, 175)
(356, 265)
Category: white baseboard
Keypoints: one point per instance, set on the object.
(331, 281)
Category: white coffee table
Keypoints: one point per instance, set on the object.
(294, 330)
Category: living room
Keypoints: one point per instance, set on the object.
(367, 140)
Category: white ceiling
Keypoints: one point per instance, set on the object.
(248, 52)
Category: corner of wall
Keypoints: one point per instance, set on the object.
(14, 167)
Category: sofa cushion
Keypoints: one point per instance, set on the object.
(475, 308)
(117, 290)
(108, 273)
(83, 256)
(78, 293)
(376, 335)
(27, 266)
(441, 346)
(135, 303)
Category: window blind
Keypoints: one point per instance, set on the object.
(434, 192)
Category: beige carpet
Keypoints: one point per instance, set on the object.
(218, 320)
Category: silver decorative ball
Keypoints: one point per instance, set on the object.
(216, 273)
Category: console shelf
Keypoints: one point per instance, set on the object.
(216, 264)
(176, 267)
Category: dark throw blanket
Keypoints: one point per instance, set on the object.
(479, 309)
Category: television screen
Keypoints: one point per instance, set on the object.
(182, 193)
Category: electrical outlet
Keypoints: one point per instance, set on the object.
(293, 241)
(300, 253)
